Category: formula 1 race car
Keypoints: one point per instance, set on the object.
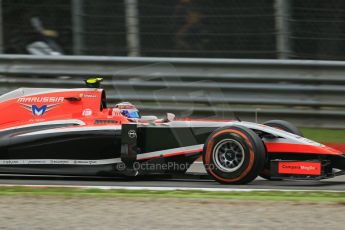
(74, 132)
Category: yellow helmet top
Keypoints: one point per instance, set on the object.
(94, 82)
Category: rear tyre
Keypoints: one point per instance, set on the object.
(283, 125)
(234, 155)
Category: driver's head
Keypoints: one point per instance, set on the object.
(128, 110)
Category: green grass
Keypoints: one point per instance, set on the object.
(325, 135)
(338, 197)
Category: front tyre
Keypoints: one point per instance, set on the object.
(234, 155)
(284, 125)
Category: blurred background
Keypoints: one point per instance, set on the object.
(287, 29)
(261, 59)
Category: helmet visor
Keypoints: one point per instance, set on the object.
(133, 114)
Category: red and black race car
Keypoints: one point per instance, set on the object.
(74, 132)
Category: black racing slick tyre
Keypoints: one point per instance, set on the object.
(234, 155)
(283, 125)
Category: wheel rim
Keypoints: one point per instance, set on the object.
(228, 155)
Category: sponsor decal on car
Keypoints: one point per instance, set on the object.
(40, 99)
(104, 122)
(87, 112)
(132, 134)
(59, 162)
(300, 168)
(88, 95)
(38, 110)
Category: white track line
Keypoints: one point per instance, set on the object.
(170, 188)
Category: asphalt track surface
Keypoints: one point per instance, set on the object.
(195, 180)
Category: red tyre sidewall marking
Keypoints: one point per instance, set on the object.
(208, 156)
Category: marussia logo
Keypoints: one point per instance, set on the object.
(41, 99)
(38, 111)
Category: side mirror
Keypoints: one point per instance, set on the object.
(169, 117)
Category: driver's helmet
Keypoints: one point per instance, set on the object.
(128, 110)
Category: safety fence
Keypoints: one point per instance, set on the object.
(310, 93)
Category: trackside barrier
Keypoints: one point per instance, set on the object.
(310, 93)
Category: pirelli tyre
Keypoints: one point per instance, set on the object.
(283, 125)
(234, 155)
